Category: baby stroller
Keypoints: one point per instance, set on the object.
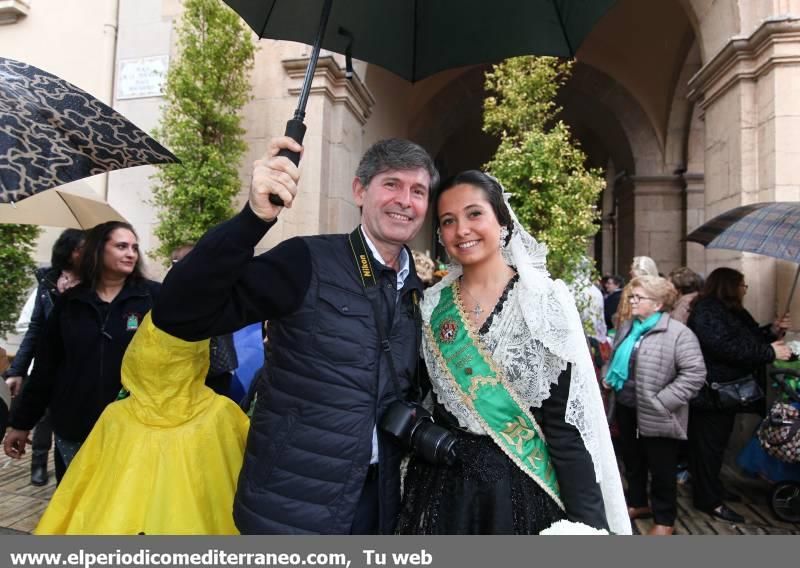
(774, 452)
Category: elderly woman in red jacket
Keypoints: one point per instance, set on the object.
(656, 369)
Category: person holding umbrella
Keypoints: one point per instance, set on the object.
(733, 346)
(76, 372)
(343, 341)
(53, 282)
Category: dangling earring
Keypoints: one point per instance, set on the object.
(439, 236)
(503, 236)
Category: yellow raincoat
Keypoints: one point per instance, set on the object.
(164, 460)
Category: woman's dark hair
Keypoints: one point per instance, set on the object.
(723, 284)
(490, 188)
(65, 245)
(92, 260)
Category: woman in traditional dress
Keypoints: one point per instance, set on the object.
(509, 368)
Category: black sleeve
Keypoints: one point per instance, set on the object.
(37, 391)
(24, 356)
(580, 493)
(725, 338)
(220, 287)
(610, 306)
(3, 418)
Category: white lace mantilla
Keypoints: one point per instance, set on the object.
(534, 337)
(530, 369)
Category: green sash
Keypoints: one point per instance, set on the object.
(483, 386)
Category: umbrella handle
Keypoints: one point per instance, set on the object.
(296, 130)
(791, 294)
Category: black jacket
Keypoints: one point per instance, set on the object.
(610, 306)
(732, 343)
(46, 296)
(78, 359)
(310, 438)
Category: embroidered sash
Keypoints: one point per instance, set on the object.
(484, 390)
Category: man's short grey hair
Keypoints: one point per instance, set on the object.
(395, 154)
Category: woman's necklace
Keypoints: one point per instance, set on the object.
(477, 310)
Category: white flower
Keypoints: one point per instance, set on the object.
(570, 528)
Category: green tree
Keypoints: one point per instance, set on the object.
(17, 243)
(206, 88)
(553, 193)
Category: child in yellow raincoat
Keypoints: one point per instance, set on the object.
(165, 460)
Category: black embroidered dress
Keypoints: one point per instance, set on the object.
(484, 492)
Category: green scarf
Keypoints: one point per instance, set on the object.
(618, 369)
(484, 389)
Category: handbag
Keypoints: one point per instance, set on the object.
(736, 394)
(779, 433)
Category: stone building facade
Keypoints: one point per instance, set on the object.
(691, 107)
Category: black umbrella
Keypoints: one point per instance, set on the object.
(52, 133)
(417, 38)
(771, 229)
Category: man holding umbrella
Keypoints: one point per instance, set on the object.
(343, 340)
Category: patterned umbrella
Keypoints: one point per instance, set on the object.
(771, 229)
(52, 133)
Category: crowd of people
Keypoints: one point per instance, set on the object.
(484, 381)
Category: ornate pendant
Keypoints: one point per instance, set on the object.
(447, 331)
(477, 310)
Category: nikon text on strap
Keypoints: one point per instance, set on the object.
(368, 279)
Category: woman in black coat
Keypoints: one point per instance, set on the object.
(733, 346)
(77, 366)
(53, 281)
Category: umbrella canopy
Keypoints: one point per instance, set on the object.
(74, 205)
(771, 229)
(52, 133)
(417, 38)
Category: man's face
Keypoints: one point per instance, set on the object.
(611, 286)
(393, 205)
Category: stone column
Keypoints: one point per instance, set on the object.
(336, 112)
(695, 254)
(659, 214)
(749, 93)
(338, 109)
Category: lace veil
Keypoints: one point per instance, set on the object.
(551, 319)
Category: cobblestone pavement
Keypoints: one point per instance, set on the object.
(21, 505)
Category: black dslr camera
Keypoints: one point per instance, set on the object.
(413, 426)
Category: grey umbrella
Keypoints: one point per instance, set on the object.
(771, 229)
(52, 133)
(417, 38)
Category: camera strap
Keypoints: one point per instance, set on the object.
(367, 274)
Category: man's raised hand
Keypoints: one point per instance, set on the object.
(276, 175)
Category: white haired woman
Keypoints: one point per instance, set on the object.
(641, 266)
(656, 369)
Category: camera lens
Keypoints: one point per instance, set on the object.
(434, 443)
